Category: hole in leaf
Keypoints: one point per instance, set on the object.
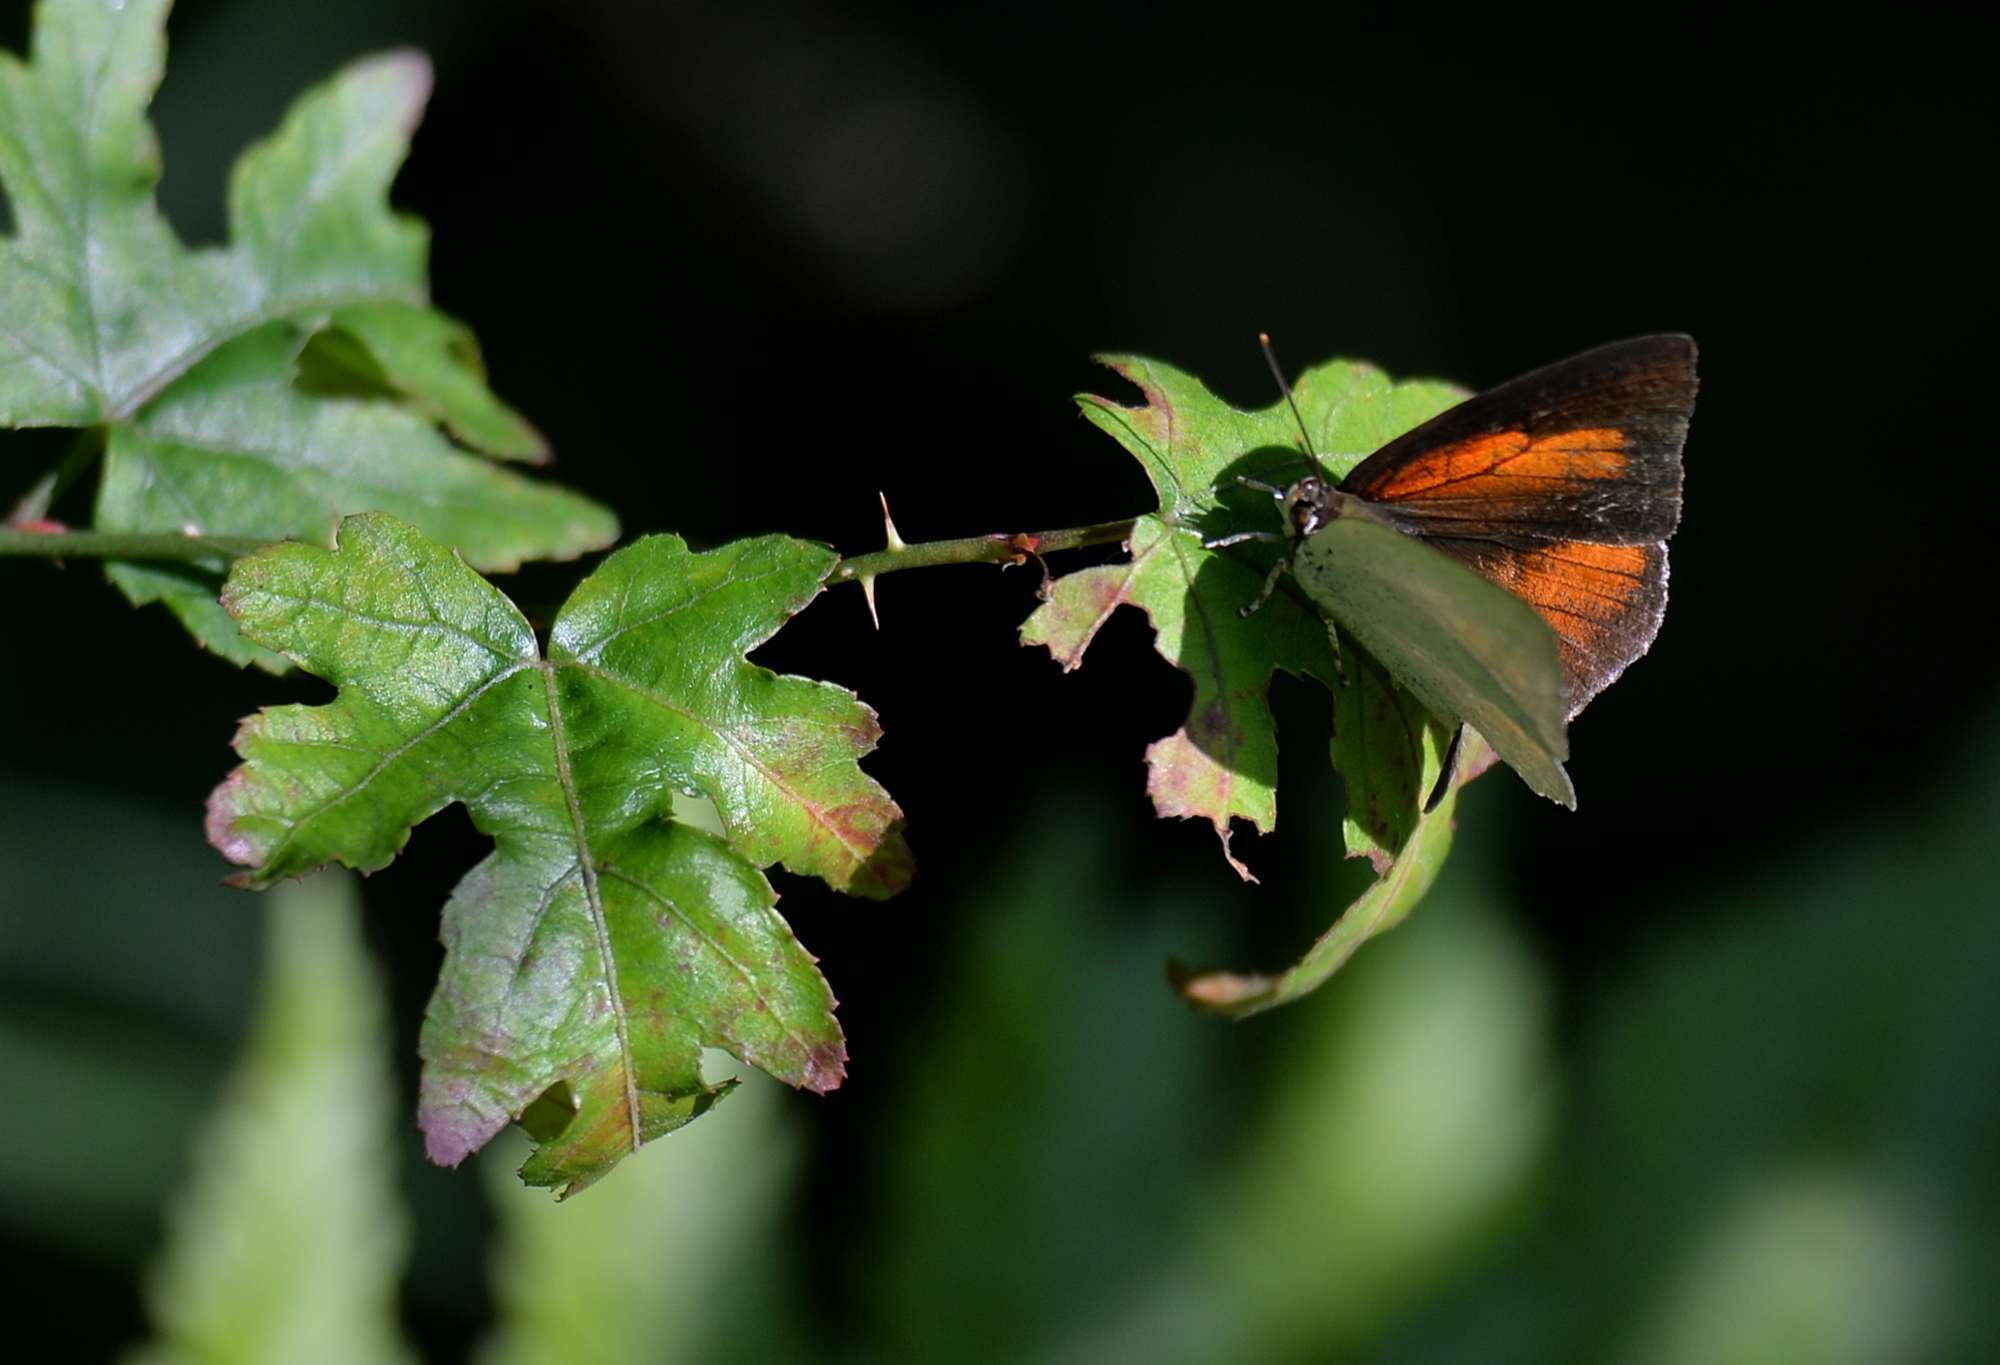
(335, 364)
(550, 1112)
(692, 808)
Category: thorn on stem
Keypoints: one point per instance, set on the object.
(892, 541)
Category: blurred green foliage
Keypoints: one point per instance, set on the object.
(741, 270)
(1766, 1137)
(684, 1261)
(289, 1240)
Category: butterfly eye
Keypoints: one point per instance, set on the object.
(1306, 506)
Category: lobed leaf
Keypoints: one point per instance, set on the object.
(600, 946)
(189, 359)
(1221, 765)
(434, 362)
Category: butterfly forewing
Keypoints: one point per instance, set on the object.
(1561, 487)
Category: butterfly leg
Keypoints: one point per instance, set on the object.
(1448, 773)
(1276, 492)
(1270, 579)
(1240, 537)
(1251, 607)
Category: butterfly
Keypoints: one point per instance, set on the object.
(1506, 560)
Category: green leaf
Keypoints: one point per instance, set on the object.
(1222, 764)
(600, 945)
(96, 291)
(236, 440)
(188, 357)
(434, 361)
(1392, 750)
(289, 1242)
(1384, 735)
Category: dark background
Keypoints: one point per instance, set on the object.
(747, 265)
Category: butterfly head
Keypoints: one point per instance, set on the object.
(1310, 504)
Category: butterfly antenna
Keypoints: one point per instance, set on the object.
(1271, 359)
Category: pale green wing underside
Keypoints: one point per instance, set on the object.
(1468, 649)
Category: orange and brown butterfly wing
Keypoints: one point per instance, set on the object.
(1604, 602)
(1561, 486)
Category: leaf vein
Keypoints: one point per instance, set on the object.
(748, 976)
(388, 759)
(860, 851)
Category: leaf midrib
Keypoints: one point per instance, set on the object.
(84, 219)
(593, 898)
(749, 977)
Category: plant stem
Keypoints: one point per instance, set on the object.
(996, 548)
(124, 545)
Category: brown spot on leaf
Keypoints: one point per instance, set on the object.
(826, 1067)
(1215, 723)
(888, 872)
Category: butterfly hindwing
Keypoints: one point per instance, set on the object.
(1604, 602)
(1467, 649)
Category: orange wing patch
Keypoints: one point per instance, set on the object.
(1496, 464)
(1604, 602)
